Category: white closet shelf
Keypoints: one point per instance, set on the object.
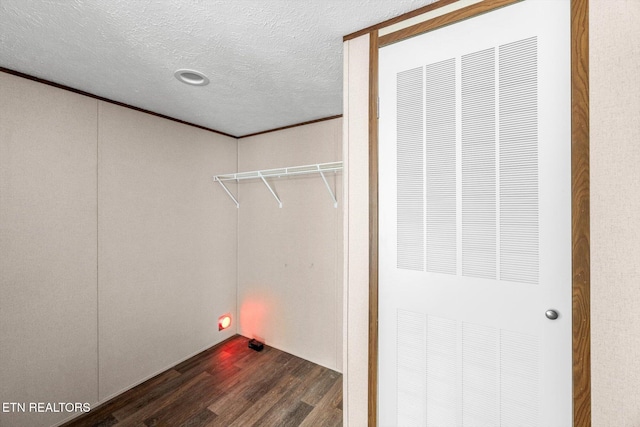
(318, 168)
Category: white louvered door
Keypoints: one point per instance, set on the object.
(475, 223)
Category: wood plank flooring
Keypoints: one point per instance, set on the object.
(229, 385)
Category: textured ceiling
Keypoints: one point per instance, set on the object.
(271, 63)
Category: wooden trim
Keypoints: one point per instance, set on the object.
(291, 126)
(580, 200)
(100, 98)
(580, 213)
(142, 110)
(399, 18)
(447, 19)
(373, 229)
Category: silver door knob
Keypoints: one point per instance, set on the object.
(551, 314)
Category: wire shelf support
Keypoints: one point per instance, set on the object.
(319, 168)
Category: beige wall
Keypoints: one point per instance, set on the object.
(119, 253)
(356, 230)
(615, 207)
(167, 244)
(116, 253)
(290, 258)
(48, 311)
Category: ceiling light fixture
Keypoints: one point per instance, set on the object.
(191, 77)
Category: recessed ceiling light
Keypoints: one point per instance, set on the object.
(191, 77)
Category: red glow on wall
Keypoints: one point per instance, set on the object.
(253, 316)
(224, 322)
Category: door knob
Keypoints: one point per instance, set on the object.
(551, 314)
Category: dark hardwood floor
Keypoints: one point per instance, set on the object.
(229, 385)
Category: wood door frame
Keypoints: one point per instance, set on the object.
(580, 214)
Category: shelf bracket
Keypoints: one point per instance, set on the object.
(318, 168)
(228, 192)
(333, 197)
(273, 193)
